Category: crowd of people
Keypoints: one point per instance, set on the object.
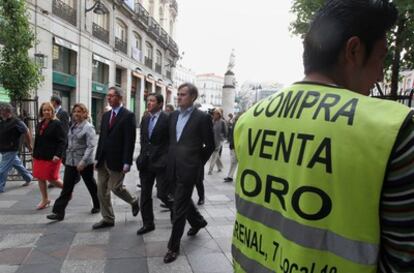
(175, 145)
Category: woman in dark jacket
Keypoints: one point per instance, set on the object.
(48, 148)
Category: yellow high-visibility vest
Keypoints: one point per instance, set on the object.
(312, 161)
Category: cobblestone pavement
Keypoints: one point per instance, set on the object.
(31, 243)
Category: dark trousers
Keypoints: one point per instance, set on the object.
(70, 178)
(183, 209)
(147, 178)
(200, 185)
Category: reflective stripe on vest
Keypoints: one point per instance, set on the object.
(312, 160)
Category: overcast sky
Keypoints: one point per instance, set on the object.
(257, 30)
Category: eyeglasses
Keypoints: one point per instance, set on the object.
(111, 95)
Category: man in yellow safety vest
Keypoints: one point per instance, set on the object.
(324, 170)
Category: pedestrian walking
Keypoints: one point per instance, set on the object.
(64, 118)
(114, 157)
(79, 162)
(220, 133)
(152, 160)
(233, 158)
(190, 146)
(49, 144)
(325, 177)
(11, 130)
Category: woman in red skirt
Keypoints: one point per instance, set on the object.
(48, 148)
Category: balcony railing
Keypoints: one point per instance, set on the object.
(164, 38)
(173, 47)
(142, 17)
(154, 29)
(64, 11)
(148, 62)
(158, 68)
(100, 33)
(121, 45)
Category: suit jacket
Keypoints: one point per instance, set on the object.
(51, 143)
(154, 150)
(64, 118)
(187, 156)
(116, 144)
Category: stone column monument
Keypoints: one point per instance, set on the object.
(229, 87)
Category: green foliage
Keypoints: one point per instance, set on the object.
(400, 40)
(18, 72)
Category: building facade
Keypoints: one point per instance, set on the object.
(210, 88)
(182, 75)
(90, 45)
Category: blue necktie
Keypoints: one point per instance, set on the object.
(151, 126)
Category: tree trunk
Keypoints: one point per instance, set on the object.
(395, 69)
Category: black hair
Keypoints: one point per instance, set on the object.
(339, 20)
(158, 97)
(192, 89)
(56, 99)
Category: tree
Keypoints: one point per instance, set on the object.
(19, 74)
(401, 38)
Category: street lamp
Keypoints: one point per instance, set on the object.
(41, 60)
(97, 8)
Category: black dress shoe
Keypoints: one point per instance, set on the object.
(102, 224)
(55, 217)
(200, 201)
(135, 208)
(170, 257)
(145, 229)
(228, 179)
(194, 230)
(95, 210)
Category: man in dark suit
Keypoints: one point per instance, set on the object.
(64, 119)
(114, 157)
(152, 161)
(191, 144)
(61, 114)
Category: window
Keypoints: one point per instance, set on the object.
(149, 51)
(138, 41)
(64, 60)
(100, 72)
(101, 20)
(158, 59)
(120, 30)
(161, 15)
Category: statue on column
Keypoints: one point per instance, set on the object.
(232, 61)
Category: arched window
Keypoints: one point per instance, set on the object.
(149, 51)
(151, 8)
(138, 41)
(158, 61)
(121, 37)
(161, 15)
(120, 30)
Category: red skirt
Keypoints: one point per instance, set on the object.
(46, 169)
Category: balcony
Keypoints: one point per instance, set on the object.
(121, 45)
(158, 68)
(148, 62)
(154, 29)
(100, 33)
(173, 48)
(142, 16)
(164, 38)
(64, 11)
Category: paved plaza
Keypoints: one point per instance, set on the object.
(31, 243)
